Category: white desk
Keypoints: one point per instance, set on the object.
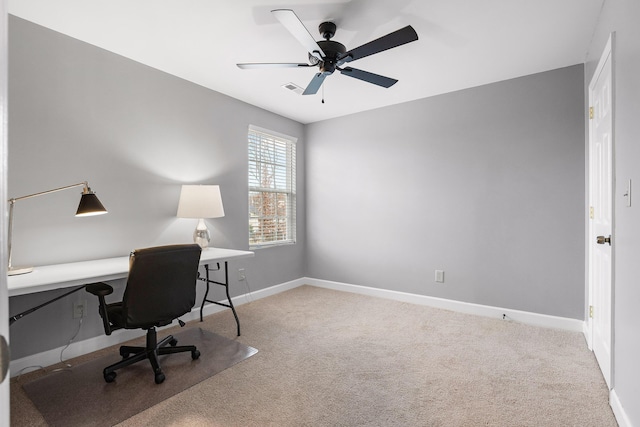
(59, 276)
(77, 274)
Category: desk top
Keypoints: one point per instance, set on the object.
(49, 277)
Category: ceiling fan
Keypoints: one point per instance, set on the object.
(330, 55)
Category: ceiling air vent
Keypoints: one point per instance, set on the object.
(293, 87)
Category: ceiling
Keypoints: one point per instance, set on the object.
(462, 44)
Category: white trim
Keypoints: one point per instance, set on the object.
(606, 52)
(51, 357)
(621, 415)
(273, 133)
(246, 298)
(5, 406)
(525, 317)
(586, 331)
(260, 144)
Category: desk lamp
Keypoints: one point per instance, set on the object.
(200, 201)
(89, 205)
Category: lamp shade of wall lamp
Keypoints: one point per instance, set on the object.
(89, 205)
(200, 202)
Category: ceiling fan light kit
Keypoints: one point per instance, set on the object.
(329, 55)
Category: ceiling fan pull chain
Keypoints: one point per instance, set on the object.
(323, 92)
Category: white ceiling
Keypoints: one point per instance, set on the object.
(462, 43)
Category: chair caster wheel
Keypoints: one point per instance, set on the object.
(124, 353)
(159, 378)
(173, 342)
(195, 354)
(110, 377)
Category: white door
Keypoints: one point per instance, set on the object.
(4, 301)
(601, 212)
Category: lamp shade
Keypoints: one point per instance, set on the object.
(200, 201)
(90, 205)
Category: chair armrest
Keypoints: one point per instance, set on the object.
(100, 290)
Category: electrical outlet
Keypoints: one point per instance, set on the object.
(79, 309)
(241, 275)
(439, 276)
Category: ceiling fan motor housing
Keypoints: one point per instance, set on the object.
(332, 50)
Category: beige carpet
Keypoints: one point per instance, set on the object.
(329, 358)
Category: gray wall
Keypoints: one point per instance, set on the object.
(486, 184)
(621, 17)
(136, 134)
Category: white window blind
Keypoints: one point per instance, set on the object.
(272, 188)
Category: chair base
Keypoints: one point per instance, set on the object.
(151, 352)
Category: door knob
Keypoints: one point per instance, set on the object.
(601, 240)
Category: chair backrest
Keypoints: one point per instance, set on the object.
(161, 285)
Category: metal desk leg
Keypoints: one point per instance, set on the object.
(208, 281)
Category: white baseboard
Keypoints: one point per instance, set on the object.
(618, 410)
(51, 357)
(586, 331)
(248, 297)
(525, 317)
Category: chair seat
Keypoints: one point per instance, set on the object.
(115, 312)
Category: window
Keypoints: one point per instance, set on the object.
(272, 188)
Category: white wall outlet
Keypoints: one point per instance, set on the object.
(79, 309)
(439, 276)
(241, 274)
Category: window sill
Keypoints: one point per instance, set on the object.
(270, 245)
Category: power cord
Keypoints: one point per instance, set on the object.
(68, 365)
(21, 371)
(249, 296)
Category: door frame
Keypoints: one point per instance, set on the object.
(607, 53)
(4, 298)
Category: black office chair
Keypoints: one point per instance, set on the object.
(161, 287)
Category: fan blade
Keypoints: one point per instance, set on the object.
(397, 38)
(248, 66)
(291, 22)
(315, 84)
(366, 76)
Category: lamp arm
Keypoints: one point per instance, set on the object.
(55, 190)
(12, 201)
